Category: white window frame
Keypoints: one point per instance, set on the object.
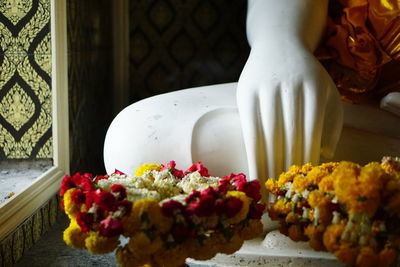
(14, 211)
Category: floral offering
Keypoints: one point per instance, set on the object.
(349, 210)
(167, 214)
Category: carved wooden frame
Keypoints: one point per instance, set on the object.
(20, 207)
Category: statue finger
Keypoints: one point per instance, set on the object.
(314, 111)
(293, 109)
(272, 133)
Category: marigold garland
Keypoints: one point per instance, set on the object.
(165, 212)
(349, 210)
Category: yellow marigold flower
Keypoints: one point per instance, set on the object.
(147, 167)
(271, 185)
(71, 209)
(141, 244)
(153, 210)
(292, 217)
(331, 236)
(150, 208)
(242, 214)
(280, 207)
(347, 255)
(306, 168)
(73, 236)
(387, 256)
(295, 233)
(97, 244)
(316, 198)
(367, 257)
(301, 183)
(326, 184)
(293, 171)
(359, 188)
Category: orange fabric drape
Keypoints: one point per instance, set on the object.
(361, 47)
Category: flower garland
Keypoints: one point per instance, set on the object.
(167, 214)
(344, 208)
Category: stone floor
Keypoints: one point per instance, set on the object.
(51, 251)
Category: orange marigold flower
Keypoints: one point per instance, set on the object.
(387, 256)
(292, 217)
(331, 237)
(296, 233)
(367, 257)
(347, 255)
(314, 233)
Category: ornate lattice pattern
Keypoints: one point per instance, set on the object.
(25, 79)
(181, 44)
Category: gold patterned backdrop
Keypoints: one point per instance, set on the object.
(25, 79)
(176, 44)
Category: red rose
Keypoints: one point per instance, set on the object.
(233, 206)
(222, 189)
(256, 211)
(83, 181)
(62, 204)
(105, 200)
(220, 206)
(198, 167)
(118, 172)
(124, 205)
(119, 191)
(252, 189)
(239, 179)
(66, 184)
(170, 166)
(194, 196)
(182, 232)
(78, 197)
(169, 208)
(204, 207)
(110, 227)
(84, 220)
(90, 199)
(210, 191)
(101, 177)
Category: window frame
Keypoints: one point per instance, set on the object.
(14, 211)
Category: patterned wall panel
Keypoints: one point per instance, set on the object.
(89, 81)
(25, 79)
(176, 44)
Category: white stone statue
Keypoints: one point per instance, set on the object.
(285, 109)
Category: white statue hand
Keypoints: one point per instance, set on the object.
(289, 108)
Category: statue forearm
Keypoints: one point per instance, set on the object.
(286, 22)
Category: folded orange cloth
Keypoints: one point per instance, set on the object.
(361, 47)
